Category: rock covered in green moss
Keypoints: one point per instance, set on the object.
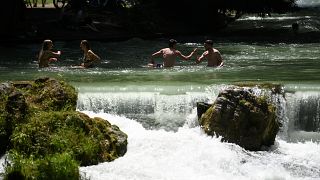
(89, 140)
(48, 94)
(241, 117)
(38, 122)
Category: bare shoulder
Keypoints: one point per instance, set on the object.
(90, 52)
(216, 50)
(165, 49)
(177, 52)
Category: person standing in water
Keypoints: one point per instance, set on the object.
(169, 55)
(212, 55)
(89, 57)
(46, 54)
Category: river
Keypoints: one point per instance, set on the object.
(157, 107)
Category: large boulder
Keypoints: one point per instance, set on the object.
(241, 117)
(40, 127)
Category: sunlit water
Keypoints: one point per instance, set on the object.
(157, 107)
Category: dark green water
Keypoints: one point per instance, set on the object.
(123, 63)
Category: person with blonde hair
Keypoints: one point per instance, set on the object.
(46, 54)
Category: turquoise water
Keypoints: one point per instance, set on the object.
(123, 63)
(157, 107)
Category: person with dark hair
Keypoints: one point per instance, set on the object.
(47, 55)
(89, 57)
(169, 55)
(212, 55)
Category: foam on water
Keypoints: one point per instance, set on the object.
(191, 154)
(308, 3)
(2, 163)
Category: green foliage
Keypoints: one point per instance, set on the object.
(3, 135)
(51, 167)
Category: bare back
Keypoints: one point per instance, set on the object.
(169, 57)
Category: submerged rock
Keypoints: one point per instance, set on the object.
(39, 124)
(241, 117)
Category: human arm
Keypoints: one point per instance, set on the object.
(55, 54)
(156, 54)
(199, 59)
(186, 57)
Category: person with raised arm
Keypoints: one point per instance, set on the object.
(169, 55)
(46, 54)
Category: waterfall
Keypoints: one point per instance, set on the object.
(303, 114)
(154, 109)
(169, 109)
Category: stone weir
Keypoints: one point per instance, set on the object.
(40, 127)
(240, 116)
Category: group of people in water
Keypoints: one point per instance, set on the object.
(47, 55)
(169, 55)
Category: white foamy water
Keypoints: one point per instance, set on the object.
(2, 161)
(308, 3)
(190, 154)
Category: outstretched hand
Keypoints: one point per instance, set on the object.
(195, 50)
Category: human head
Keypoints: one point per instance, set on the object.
(84, 44)
(208, 44)
(47, 44)
(172, 42)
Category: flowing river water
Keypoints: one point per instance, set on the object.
(157, 107)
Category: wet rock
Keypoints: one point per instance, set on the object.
(241, 117)
(202, 107)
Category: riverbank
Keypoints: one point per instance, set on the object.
(47, 23)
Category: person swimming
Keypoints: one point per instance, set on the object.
(46, 54)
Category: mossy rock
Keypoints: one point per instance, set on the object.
(51, 167)
(90, 140)
(20, 100)
(241, 117)
(38, 122)
(48, 94)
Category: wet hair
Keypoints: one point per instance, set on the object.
(172, 42)
(86, 44)
(45, 45)
(210, 42)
